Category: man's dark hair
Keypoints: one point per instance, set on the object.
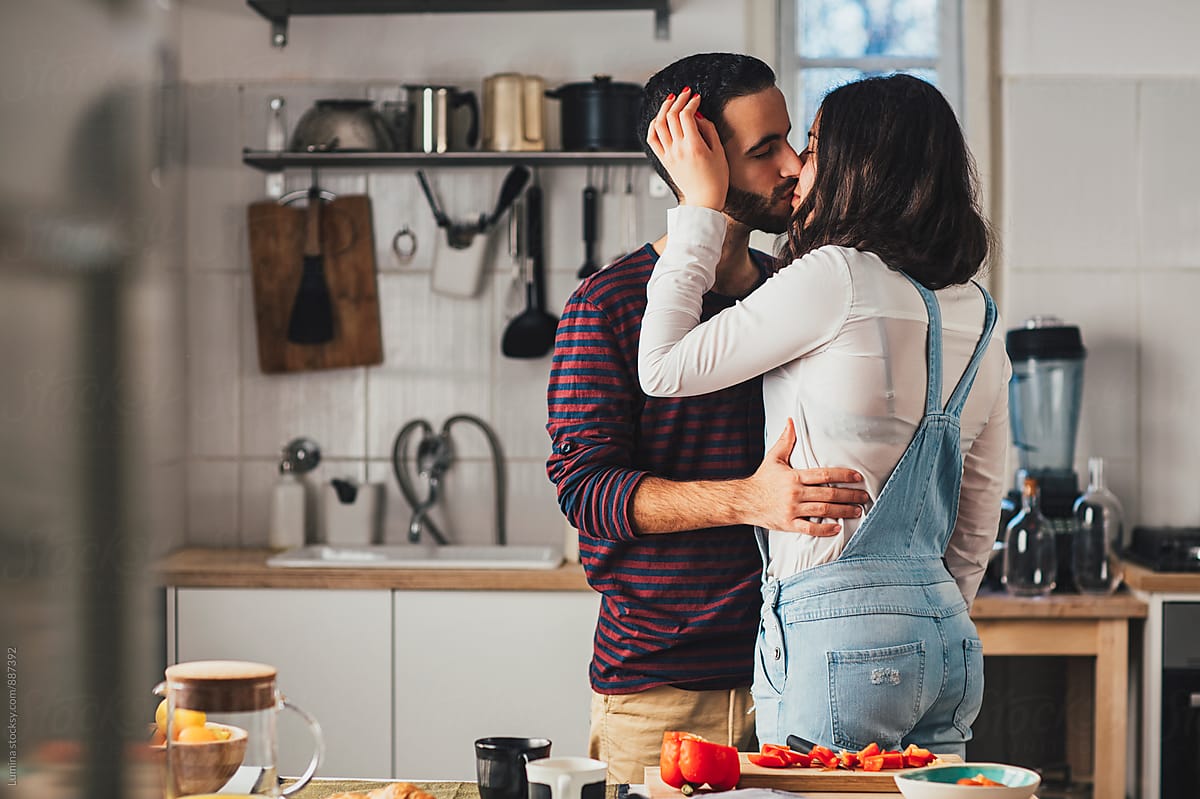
(894, 177)
(716, 77)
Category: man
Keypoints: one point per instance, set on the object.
(679, 613)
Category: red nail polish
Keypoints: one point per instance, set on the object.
(699, 115)
(687, 89)
(670, 97)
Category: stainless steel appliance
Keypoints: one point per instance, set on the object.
(1179, 726)
(443, 118)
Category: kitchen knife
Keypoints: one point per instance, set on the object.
(798, 744)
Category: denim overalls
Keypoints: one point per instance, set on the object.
(877, 645)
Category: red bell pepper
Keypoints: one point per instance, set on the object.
(668, 759)
(848, 760)
(689, 760)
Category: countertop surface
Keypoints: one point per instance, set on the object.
(1143, 579)
(246, 568)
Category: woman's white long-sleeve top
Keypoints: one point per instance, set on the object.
(841, 341)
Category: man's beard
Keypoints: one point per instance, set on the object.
(758, 212)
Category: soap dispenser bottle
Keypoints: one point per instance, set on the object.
(287, 510)
(289, 498)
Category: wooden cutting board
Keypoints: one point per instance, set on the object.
(276, 261)
(798, 779)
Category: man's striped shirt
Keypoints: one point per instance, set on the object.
(676, 609)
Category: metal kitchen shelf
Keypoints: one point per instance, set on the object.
(271, 161)
(277, 12)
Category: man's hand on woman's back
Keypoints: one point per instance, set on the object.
(779, 497)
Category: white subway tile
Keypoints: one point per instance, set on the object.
(1070, 173)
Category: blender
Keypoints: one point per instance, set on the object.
(1044, 398)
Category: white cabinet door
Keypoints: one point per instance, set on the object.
(333, 650)
(471, 664)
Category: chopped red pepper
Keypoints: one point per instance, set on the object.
(869, 750)
(887, 760)
(790, 756)
(916, 757)
(847, 760)
(823, 756)
(771, 760)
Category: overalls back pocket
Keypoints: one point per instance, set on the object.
(875, 694)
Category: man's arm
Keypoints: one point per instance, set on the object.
(591, 425)
(776, 496)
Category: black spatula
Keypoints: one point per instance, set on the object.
(531, 333)
(311, 321)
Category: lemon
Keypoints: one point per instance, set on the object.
(183, 718)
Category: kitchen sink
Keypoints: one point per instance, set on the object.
(412, 556)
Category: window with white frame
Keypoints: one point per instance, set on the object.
(826, 43)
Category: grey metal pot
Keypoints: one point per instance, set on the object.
(342, 125)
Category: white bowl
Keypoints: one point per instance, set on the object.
(941, 782)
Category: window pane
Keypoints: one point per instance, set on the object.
(852, 28)
(816, 83)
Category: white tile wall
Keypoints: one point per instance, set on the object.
(1099, 37)
(213, 496)
(1169, 180)
(214, 332)
(1169, 387)
(1070, 173)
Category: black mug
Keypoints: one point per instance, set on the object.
(500, 765)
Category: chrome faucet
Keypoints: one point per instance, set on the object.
(435, 455)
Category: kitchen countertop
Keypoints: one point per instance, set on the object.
(1143, 579)
(246, 568)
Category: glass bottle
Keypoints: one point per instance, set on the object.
(1099, 527)
(1030, 560)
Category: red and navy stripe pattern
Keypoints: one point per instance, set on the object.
(675, 609)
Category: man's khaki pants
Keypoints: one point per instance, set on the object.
(627, 729)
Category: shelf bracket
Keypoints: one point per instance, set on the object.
(662, 23)
(279, 28)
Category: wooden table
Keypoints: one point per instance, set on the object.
(1073, 625)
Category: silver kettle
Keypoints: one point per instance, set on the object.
(443, 118)
(512, 113)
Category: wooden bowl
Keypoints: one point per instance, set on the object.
(205, 767)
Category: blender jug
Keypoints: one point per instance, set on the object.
(1044, 399)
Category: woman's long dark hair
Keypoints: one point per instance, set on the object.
(894, 178)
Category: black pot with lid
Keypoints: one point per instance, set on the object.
(600, 114)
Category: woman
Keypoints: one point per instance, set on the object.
(865, 634)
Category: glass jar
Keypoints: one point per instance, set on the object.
(1030, 557)
(1099, 527)
(221, 731)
